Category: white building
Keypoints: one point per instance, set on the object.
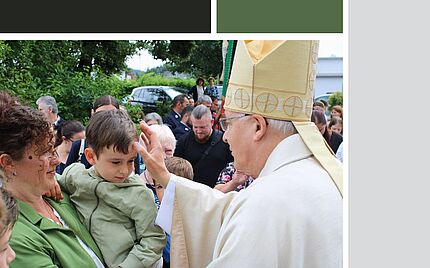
(329, 75)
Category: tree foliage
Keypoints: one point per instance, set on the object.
(109, 56)
(200, 58)
(75, 73)
(335, 99)
(43, 56)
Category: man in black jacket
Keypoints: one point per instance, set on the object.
(204, 148)
(185, 125)
(173, 118)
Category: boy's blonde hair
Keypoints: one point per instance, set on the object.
(180, 167)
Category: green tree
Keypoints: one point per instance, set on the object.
(335, 99)
(197, 57)
(42, 57)
(75, 76)
(31, 69)
(109, 56)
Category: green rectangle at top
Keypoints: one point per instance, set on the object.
(280, 16)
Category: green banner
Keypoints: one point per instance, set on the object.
(227, 67)
(276, 16)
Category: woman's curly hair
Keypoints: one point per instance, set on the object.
(22, 127)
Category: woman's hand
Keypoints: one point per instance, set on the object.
(239, 178)
(55, 192)
(153, 155)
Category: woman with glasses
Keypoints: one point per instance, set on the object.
(69, 131)
(47, 233)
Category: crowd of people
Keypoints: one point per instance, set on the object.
(331, 128)
(194, 189)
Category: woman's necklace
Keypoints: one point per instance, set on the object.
(51, 213)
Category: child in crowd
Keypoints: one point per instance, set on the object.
(180, 167)
(336, 125)
(117, 208)
(8, 218)
(337, 110)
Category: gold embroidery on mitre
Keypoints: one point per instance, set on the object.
(293, 106)
(308, 107)
(266, 102)
(311, 82)
(228, 97)
(315, 46)
(242, 98)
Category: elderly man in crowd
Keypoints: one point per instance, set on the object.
(205, 100)
(48, 106)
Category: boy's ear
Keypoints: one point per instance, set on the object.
(90, 155)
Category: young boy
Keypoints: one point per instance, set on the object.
(117, 208)
(178, 166)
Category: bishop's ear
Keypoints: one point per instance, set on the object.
(90, 155)
(260, 126)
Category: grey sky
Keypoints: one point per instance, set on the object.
(144, 60)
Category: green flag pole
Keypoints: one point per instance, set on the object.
(226, 77)
(227, 67)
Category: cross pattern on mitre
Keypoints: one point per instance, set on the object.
(273, 78)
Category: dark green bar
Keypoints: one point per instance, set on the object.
(279, 16)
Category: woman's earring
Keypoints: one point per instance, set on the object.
(14, 173)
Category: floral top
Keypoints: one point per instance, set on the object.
(226, 175)
(212, 91)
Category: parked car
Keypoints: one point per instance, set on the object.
(325, 98)
(147, 97)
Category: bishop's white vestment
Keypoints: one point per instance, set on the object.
(290, 216)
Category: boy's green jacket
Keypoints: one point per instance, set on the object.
(120, 216)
